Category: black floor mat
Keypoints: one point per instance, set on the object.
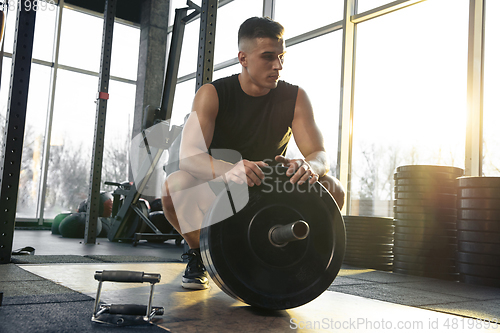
(56, 313)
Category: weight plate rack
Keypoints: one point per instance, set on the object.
(478, 230)
(425, 214)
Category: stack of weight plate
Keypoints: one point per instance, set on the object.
(425, 237)
(478, 224)
(369, 242)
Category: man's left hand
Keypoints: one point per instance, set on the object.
(299, 170)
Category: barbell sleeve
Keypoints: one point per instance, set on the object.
(280, 235)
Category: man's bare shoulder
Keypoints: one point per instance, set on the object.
(206, 101)
(207, 90)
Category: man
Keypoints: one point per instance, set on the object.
(253, 113)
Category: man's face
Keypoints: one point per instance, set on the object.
(263, 60)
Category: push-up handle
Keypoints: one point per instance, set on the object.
(127, 276)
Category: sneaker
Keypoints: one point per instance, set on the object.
(195, 276)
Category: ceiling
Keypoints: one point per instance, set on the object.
(129, 10)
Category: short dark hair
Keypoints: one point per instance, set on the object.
(260, 27)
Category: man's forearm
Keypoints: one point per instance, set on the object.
(319, 162)
(204, 167)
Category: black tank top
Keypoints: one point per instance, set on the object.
(259, 128)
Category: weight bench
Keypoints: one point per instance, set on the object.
(125, 314)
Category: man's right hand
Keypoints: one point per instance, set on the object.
(246, 171)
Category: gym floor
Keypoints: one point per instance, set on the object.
(54, 289)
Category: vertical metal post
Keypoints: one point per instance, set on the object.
(14, 128)
(48, 127)
(344, 159)
(268, 8)
(4, 9)
(167, 101)
(208, 19)
(475, 70)
(100, 124)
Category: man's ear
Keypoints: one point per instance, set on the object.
(242, 57)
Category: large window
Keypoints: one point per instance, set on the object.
(81, 40)
(71, 142)
(125, 51)
(298, 17)
(491, 105)
(45, 29)
(184, 94)
(409, 97)
(365, 5)
(34, 136)
(189, 53)
(229, 19)
(322, 85)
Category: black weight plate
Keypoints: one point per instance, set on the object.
(479, 236)
(478, 225)
(375, 248)
(369, 259)
(424, 260)
(425, 231)
(469, 203)
(369, 235)
(243, 262)
(371, 256)
(424, 238)
(380, 223)
(484, 248)
(479, 270)
(436, 246)
(424, 252)
(425, 217)
(424, 175)
(425, 189)
(446, 202)
(425, 182)
(364, 226)
(425, 196)
(353, 253)
(368, 247)
(480, 280)
(363, 251)
(478, 214)
(431, 169)
(371, 265)
(370, 231)
(367, 219)
(384, 242)
(480, 192)
(478, 259)
(375, 242)
(436, 267)
(442, 276)
(429, 223)
(425, 210)
(361, 243)
(478, 182)
(361, 223)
